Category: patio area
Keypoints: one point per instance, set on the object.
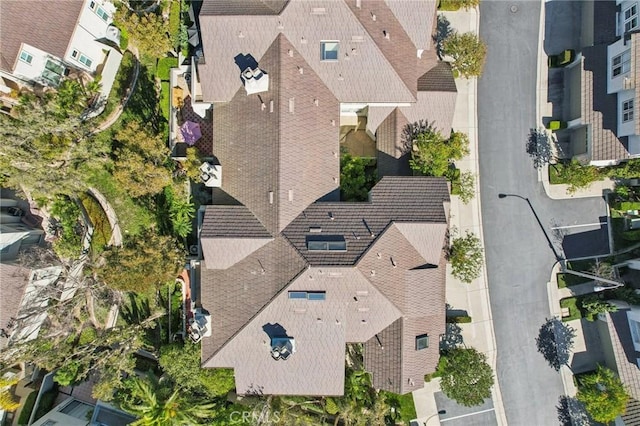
(354, 138)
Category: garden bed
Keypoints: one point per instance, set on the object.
(575, 308)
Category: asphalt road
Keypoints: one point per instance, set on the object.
(519, 257)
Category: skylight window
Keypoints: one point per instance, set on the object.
(326, 243)
(329, 50)
(308, 295)
(422, 342)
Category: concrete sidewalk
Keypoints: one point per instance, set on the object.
(474, 297)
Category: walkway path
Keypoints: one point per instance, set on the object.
(113, 117)
(474, 297)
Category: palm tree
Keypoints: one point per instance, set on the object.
(151, 402)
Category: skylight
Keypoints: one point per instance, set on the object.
(329, 50)
(326, 243)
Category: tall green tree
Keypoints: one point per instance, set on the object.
(141, 160)
(468, 53)
(143, 263)
(465, 255)
(181, 363)
(432, 154)
(355, 183)
(603, 395)
(156, 404)
(466, 376)
(146, 30)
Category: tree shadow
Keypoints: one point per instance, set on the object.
(539, 148)
(555, 341)
(443, 30)
(572, 412)
(136, 311)
(144, 103)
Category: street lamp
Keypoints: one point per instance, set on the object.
(433, 415)
(609, 287)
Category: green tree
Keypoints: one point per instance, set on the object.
(432, 155)
(627, 170)
(155, 404)
(468, 53)
(355, 183)
(181, 363)
(143, 263)
(576, 175)
(147, 31)
(594, 306)
(603, 395)
(464, 187)
(192, 164)
(465, 255)
(141, 160)
(466, 376)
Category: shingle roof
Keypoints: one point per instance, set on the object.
(599, 109)
(415, 16)
(393, 155)
(248, 140)
(233, 296)
(231, 222)
(399, 199)
(625, 357)
(365, 75)
(242, 7)
(13, 281)
(353, 311)
(50, 29)
(438, 79)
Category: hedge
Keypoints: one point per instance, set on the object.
(27, 408)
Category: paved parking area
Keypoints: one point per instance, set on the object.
(459, 415)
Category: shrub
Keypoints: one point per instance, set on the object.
(27, 408)
(462, 319)
(453, 5)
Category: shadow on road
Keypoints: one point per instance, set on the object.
(555, 341)
(572, 412)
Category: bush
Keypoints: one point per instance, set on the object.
(67, 212)
(453, 5)
(164, 67)
(462, 319)
(27, 408)
(124, 39)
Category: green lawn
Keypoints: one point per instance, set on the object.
(165, 94)
(405, 408)
(568, 280)
(574, 310)
(164, 67)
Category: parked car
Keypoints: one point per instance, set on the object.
(562, 59)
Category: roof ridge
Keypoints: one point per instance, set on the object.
(259, 311)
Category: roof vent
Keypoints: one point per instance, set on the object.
(303, 40)
(291, 195)
(240, 34)
(290, 53)
(315, 229)
(333, 123)
(359, 4)
(386, 34)
(316, 102)
(291, 105)
(270, 197)
(362, 292)
(331, 216)
(393, 262)
(373, 273)
(379, 255)
(318, 11)
(271, 105)
(373, 16)
(357, 39)
(300, 70)
(363, 309)
(281, 27)
(341, 78)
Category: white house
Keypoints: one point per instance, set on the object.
(42, 42)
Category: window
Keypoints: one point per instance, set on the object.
(621, 64)
(80, 57)
(631, 18)
(326, 243)
(422, 342)
(329, 50)
(627, 111)
(308, 295)
(53, 72)
(102, 13)
(26, 56)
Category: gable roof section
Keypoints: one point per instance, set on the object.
(50, 30)
(276, 187)
(400, 199)
(365, 75)
(415, 16)
(242, 7)
(353, 311)
(428, 240)
(393, 155)
(235, 295)
(13, 282)
(438, 79)
(600, 109)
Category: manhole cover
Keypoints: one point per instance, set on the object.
(514, 8)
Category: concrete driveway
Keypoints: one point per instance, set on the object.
(454, 414)
(517, 246)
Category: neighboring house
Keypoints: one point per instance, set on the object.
(620, 336)
(602, 85)
(24, 301)
(18, 228)
(45, 41)
(290, 275)
(74, 412)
